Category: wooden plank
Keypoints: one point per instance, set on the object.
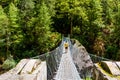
(67, 69)
(29, 66)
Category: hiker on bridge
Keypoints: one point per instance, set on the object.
(66, 46)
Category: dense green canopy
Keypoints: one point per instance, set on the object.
(32, 27)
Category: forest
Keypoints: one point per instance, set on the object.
(32, 27)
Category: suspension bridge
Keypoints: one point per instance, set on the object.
(59, 64)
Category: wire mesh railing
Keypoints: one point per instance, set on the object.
(96, 58)
(53, 59)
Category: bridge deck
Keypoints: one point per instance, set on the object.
(67, 69)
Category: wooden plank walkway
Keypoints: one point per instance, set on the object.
(67, 69)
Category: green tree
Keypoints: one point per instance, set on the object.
(26, 20)
(95, 23)
(117, 23)
(68, 14)
(42, 27)
(14, 27)
(35, 21)
(110, 11)
(115, 38)
(4, 36)
(83, 16)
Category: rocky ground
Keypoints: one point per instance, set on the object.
(2, 70)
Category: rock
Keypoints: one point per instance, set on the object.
(22, 77)
(100, 74)
(20, 65)
(30, 66)
(118, 64)
(27, 66)
(42, 74)
(39, 67)
(27, 77)
(110, 67)
(82, 59)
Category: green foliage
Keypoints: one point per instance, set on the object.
(26, 27)
(3, 31)
(14, 28)
(30, 27)
(68, 14)
(43, 26)
(87, 78)
(47, 39)
(90, 20)
(8, 63)
(110, 50)
(3, 22)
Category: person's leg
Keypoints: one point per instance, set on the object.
(66, 49)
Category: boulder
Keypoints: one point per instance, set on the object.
(20, 66)
(27, 69)
(27, 77)
(30, 66)
(105, 70)
(81, 59)
(110, 67)
(118, 64)
(42, 74)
